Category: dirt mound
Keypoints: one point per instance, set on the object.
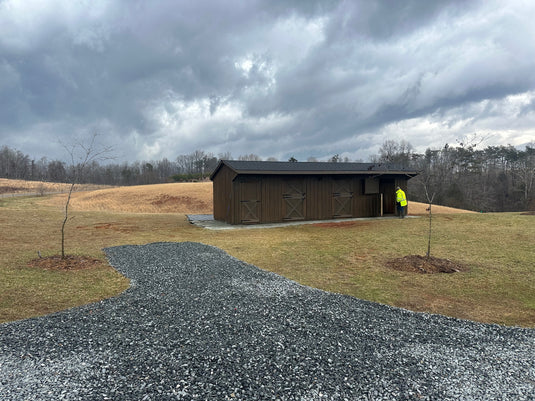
(69, 262)
(425, 265)
(188, 202)
(341, 224)
(113, 226)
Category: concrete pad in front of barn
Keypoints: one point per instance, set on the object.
(207, 221)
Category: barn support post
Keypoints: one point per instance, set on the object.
(381, 203)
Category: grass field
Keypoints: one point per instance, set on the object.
(348, 258)
(186, 198)
(38, 187)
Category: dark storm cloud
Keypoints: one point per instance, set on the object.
(307, 78)
(385, 20)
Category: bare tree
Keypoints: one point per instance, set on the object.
(427, 179)
(250, 157)
(525, 172)
(335, 159)
(430, 198)
(165, 169)
(81, 154)
(225, 156)
(393, 152)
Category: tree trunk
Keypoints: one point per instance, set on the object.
(429, 235)
(65, 220)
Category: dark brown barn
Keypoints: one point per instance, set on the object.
(250, 192)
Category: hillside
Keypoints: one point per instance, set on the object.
(8, 187)
(194, 198)
(417, 208)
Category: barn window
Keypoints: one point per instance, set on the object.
(371, 186)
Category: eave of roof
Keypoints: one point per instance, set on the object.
(310, 168)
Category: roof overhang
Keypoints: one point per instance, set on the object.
(368, 170)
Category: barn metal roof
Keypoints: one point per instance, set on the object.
(307, 168)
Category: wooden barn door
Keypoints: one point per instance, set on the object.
(388, 188)
(294, 196)
(342, 198)
(250, 197)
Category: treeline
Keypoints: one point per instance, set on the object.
(194, 166)
(497, 178)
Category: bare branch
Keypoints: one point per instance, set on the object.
(84, 153)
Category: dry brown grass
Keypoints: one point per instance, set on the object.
(190, 198)
(418, 209)
(8, 186)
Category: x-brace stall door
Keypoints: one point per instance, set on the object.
(294, 196)
(342, 198)
(251, 192)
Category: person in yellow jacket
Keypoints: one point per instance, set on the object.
(401, 202)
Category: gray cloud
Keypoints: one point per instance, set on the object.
(275, 78)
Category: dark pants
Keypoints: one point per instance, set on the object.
(401, 210)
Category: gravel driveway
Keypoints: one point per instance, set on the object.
(200, 324)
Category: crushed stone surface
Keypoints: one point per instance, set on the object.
(198, 324)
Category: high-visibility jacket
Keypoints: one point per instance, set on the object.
(401, 198)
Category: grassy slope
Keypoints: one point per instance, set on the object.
(8, 186)
(349, 258)
(195, 198)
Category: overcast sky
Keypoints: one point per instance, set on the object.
(277, 78)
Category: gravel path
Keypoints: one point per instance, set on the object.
(199, 324)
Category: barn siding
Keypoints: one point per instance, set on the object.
(271, 199)
(265, 199)
(222, 195)
(319, 193)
